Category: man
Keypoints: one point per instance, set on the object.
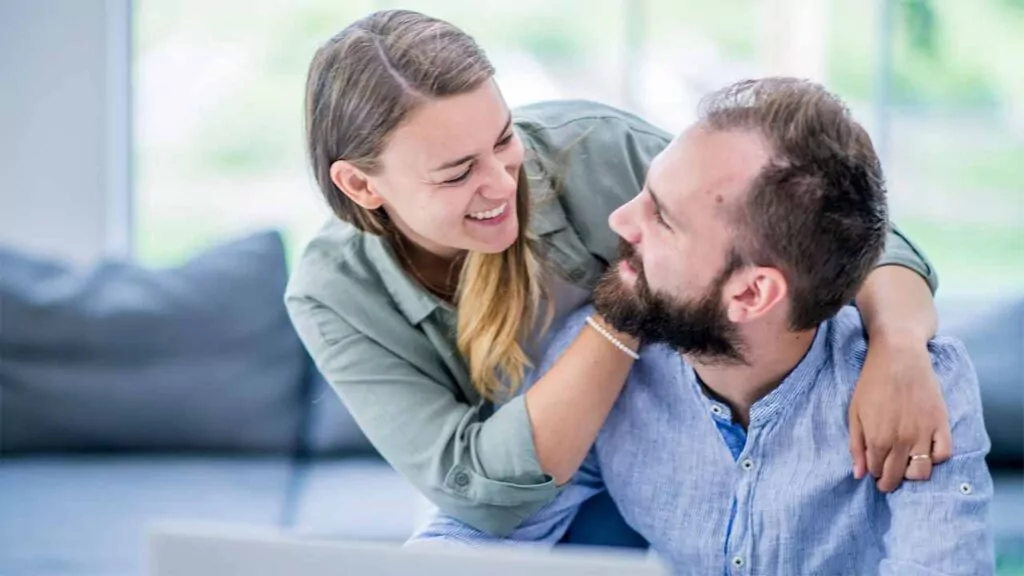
(727, 450)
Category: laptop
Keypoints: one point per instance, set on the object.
(222, 550)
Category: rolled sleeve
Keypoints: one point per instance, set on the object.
(504, 449)
(482, 471)
(546, 526)
(900, 251)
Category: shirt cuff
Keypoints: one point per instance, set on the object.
(900, 252)
(509, 485)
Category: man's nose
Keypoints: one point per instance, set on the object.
(623, 222)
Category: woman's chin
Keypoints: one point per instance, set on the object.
(495, 241)
(491, 247)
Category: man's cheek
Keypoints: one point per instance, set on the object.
(653, 275)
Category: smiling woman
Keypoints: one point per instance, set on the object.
(457, 189)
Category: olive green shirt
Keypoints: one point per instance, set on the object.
(388, 347)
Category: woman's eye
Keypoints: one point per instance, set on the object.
(460, 178)
(504, 141)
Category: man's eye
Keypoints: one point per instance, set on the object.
(659, 218)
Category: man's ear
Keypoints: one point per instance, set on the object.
(355, 184)
(754, 292)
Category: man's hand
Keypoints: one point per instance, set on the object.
(898, 411)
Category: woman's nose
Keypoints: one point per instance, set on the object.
(501, 184)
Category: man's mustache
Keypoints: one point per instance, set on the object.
(628, 254)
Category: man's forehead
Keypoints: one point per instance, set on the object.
(701, 163)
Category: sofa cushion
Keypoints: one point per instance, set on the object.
(331, 429)
(992, 330)
(79, 514)
(121, 357)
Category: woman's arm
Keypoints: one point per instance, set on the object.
(484, 471)
(897, 408)
(570, 402)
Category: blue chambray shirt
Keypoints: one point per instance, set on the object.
(779, 497)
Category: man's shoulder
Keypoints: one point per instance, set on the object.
(957, 377)
(653, 358)
(949, 359)
(559, 336)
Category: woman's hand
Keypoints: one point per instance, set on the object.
(898, 411)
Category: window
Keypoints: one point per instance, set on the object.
(953, 133)
(219, 89)
(218, 131)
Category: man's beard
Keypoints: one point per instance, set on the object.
(698, 327)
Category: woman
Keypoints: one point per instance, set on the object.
(461, 227)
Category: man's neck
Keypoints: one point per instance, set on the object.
(770, 356)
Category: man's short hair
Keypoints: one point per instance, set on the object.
(817, 210)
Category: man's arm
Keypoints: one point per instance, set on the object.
(942, 526)
(546, 526)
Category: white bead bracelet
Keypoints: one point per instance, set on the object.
(615, 341)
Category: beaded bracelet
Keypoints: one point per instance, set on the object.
(615, 341)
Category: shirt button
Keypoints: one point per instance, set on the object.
(737, 561)
(716, 410)
(461, 479)
(747, 464)
(965, 488)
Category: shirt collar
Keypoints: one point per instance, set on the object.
(795, 384)
(792, 387)
(414, 302)
(546, 213)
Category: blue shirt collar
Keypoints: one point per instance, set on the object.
(792, 387)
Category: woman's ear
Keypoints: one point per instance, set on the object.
(355, 184)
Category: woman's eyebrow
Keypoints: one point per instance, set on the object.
(467, 158)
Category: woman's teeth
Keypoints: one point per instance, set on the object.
(490, 213)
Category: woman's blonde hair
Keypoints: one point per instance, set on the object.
(362, 84)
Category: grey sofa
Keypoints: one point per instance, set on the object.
(130, 396)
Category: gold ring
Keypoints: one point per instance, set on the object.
(920, 457)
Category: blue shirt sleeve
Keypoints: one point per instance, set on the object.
(940, 526)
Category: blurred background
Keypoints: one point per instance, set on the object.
(218, 96)
(206, 100)
(154, 189)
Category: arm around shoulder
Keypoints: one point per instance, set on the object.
(941, 526)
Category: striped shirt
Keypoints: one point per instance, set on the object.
(778, 497)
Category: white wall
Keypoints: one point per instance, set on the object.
(64, 126)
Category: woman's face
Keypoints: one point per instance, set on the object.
(450, 173)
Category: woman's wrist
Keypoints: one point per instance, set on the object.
(626, 340)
